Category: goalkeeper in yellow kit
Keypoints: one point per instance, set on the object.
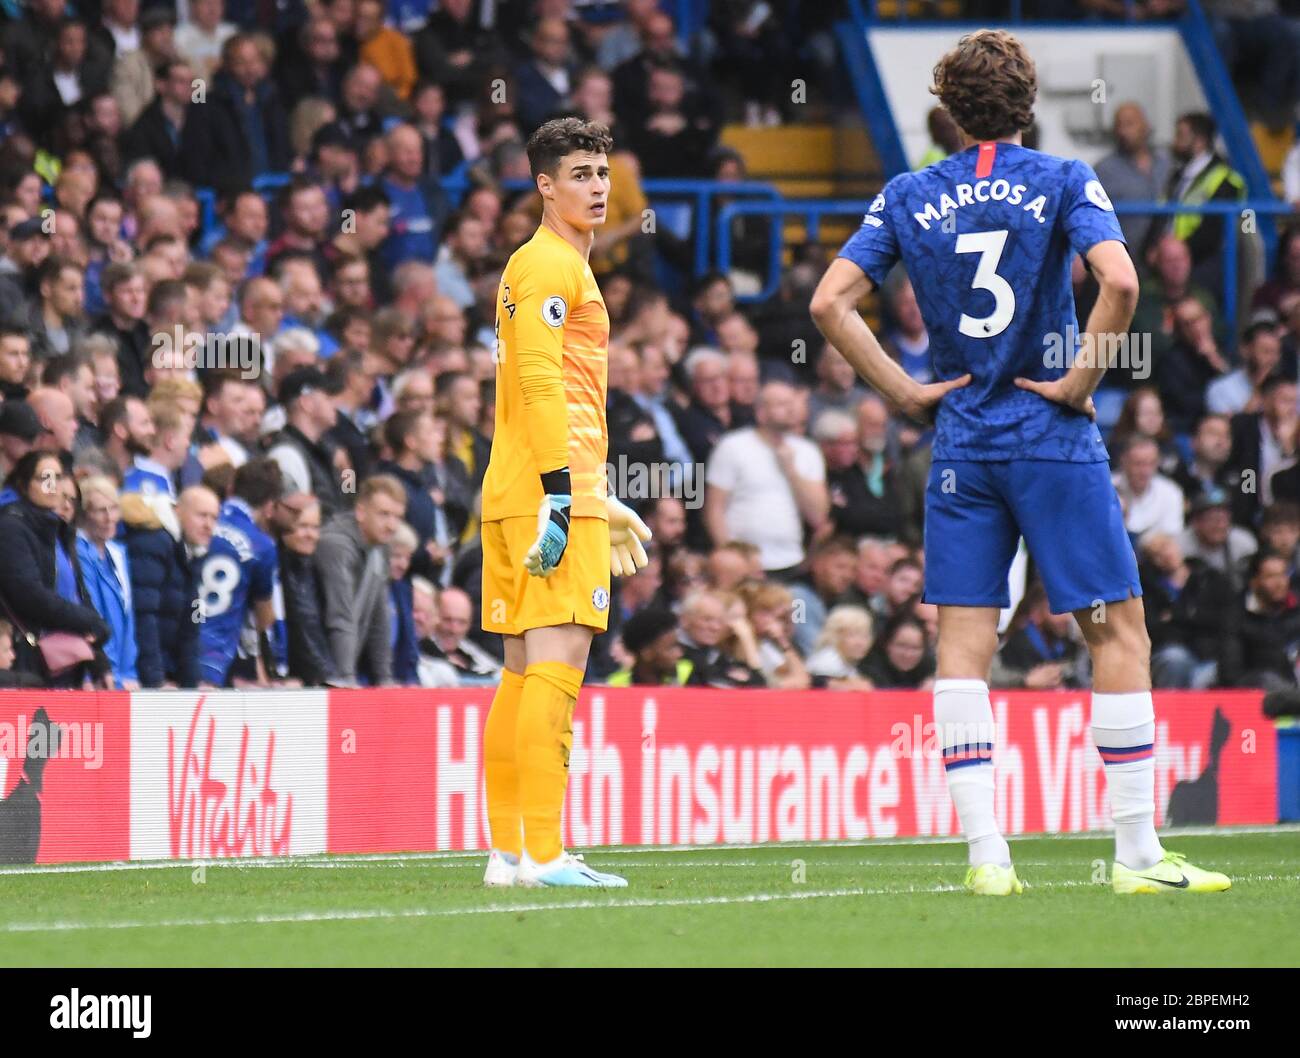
(551, 537)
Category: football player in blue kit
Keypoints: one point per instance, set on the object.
(987, 237)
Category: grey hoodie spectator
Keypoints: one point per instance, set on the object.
(352, 563)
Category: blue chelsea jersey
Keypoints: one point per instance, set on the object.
(239, 569)
(987, 237)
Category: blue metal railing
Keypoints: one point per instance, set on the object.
(702, 194)
(811, 211)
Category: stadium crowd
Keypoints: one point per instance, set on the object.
(248, 451)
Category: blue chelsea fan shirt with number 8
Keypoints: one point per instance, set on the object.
(994, 290)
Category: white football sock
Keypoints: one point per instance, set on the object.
(1124, 731)
(964, 718)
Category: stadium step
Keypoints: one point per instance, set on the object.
(811, 161)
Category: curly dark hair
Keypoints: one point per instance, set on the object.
(988, 84)
(552, 141)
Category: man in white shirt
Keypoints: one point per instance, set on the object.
(1152, 503)
(765, 483)
(1260, 352)
(200, 37)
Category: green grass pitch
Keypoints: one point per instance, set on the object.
(874, 904)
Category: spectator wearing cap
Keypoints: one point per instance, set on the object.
(164, 566)
(1152, 503)
(650, 637)
(308, 464)
(1211, 537)
(1191, 614)
(1270, 626)
(1260, 352)
(295, 348)
(40, 579)
(15, 361)
(133, 72)
(352, 564)
(29, 246)
(19, 431)
(107, 574)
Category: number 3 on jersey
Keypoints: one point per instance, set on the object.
(989, 245)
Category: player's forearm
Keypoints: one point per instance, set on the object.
(545, 411)
(842, 326)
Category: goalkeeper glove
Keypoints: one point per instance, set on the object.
(552, 524)
(626, 535)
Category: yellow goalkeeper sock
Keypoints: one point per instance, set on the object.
(499, 766)
(543, 739)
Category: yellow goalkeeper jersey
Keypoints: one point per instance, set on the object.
(552, 352)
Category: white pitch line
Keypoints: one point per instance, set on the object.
(489, 909)
(572, 905)
(313, 859)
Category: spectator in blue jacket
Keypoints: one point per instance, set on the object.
(163, 570)
(401, 611)
(105, 569)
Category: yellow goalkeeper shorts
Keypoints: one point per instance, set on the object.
(576, 593)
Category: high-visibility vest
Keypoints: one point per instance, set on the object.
(623, 677)
(1204, 188)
